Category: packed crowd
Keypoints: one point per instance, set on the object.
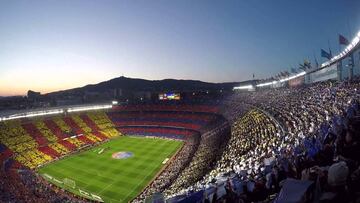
(34, 142)
(173, 169)
(309, 133)
(249, 144)
(27, 144)
(22, 185)
(212, 143)
(192, 161)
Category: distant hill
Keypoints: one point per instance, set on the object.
(135, 85)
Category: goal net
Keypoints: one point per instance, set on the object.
(69, 183)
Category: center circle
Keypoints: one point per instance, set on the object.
(122, 155)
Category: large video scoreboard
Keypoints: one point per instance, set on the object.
(169, 96)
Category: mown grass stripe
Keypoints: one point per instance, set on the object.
(115, 180)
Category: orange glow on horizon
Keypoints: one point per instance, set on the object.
(14, 84)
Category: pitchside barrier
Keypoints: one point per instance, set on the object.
(90, 196)
(69, 183)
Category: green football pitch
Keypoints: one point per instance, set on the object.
(97, 175)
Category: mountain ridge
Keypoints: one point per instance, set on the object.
(138, 84)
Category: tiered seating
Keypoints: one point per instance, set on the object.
(101, 124)
(69, 145)
(49, 151)
(75, 129)
(33, 158)
(88, 136)
(45, 131)
(34, 142)
(158, 123)
(85, 139)
(200, 118)
(180, 108)
(109, 132)
(291, 137)
(95, 128)
(30, 143)
(76, 142)
(250, 135)
(37, 141)
(81, 124)
(175, 119)
(189, 121)
(62, 125)
(89, 122)
(157, 131)
(35, 133)
(60, 148)
(15, 137)
(50, 124)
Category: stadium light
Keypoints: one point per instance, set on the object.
(114, 102)
(354, 43)
(53, 112)
(281, 80)
(264, 84)
(355, 40)
(31, 114)
(243, 87)
(87, 108)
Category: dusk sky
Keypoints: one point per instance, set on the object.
(52, 45)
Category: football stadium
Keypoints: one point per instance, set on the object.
(291, 136)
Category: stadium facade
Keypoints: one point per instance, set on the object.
(251, 146)
(343, 66)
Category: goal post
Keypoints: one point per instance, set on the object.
(69, 183)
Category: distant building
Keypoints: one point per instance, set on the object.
(118, 93)
(32, 95)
